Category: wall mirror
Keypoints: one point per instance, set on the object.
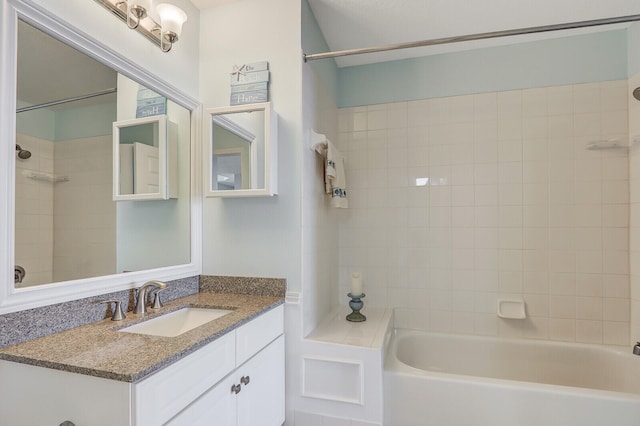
(65, 233)
(242, 151)
(145, 159)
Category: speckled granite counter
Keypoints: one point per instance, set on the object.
(99, 350)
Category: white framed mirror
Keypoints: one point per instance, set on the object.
(241, 157)
(157, 239)
(145, 159)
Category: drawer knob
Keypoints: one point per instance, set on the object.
(67, 423)
(245, 380)
(236, 389)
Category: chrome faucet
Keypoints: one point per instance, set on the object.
(636, 349)
(141, 300)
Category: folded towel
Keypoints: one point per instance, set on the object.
(334, 176)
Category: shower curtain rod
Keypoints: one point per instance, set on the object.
(471, 37)
(64, 101)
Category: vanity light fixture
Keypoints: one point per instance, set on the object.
(139, 16)
(171, 20)
(136, 11)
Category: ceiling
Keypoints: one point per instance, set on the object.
(49, 70)
(348, 24)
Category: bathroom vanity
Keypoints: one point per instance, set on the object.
(230, 370)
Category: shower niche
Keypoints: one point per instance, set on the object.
(145, 159)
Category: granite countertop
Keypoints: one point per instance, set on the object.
(99, 350)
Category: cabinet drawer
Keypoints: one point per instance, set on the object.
(161, 396)
(257, 334)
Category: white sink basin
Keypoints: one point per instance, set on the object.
(178, 322)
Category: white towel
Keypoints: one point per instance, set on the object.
(334, 177)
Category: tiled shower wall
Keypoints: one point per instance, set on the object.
(456, 202)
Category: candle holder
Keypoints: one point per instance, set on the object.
(356, 304)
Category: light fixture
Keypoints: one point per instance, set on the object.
(136, 11)
(138, 15)
(171, 20)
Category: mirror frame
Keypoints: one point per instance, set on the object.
(270, 152)
(12, 299)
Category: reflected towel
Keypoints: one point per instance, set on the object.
(334, 176)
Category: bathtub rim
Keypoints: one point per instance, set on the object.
(393, 365)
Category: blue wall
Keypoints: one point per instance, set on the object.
(68, 124)
(578, 59)
(634, 48)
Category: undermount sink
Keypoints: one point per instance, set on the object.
(178, 322)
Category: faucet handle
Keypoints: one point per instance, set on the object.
(118, 314)
(157, 303)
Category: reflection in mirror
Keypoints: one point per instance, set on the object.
(139, 155)
(67, 225)
(242, 151)
(145, 159)
(230, 170)
(238, 147)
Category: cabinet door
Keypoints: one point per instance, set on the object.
(161, 396)
(261, 401)
(216, 407)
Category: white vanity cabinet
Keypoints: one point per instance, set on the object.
(196, 390)
(252, 395)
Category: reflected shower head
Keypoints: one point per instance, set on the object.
(23, 154)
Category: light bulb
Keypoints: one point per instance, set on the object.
(171, 18)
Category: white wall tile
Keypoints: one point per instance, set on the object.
(616, 333)
(589, 331)
(562, 329)
(458, 200)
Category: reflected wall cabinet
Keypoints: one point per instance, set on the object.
(145, 159)
(241, 151)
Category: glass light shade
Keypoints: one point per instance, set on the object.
(171, 18)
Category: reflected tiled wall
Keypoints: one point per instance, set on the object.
(634, 178)
(85, 213)
(65, 230)
(34, 211)
(456, 202)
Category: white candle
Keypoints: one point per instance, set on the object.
(356, 284)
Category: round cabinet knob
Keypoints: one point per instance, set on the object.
(67, 423)
(245, 380)
(236, 389)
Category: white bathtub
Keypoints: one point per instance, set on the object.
(458, 380)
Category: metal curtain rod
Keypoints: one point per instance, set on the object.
(470, 37)
(64, 101)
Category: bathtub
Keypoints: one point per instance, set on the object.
(458, 380)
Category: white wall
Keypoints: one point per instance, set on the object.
(262, 236)
(319, 219)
